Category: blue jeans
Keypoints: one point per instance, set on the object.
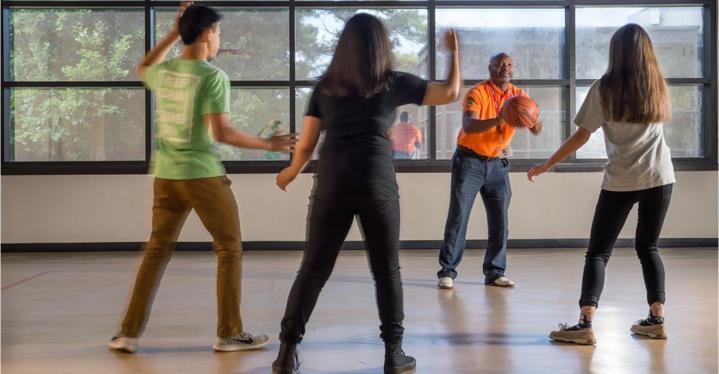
(491, 179)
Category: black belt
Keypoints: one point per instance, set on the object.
(470, 153)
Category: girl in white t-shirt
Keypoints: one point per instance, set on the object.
(630, 103)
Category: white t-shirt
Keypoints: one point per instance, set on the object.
(639, 157)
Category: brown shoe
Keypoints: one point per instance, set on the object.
(577, 334)
(651, 326)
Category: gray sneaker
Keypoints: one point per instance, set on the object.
(445, 283)
(241, 342)
(581, 333)
(502, 282)
(651, 326)
(123, 344)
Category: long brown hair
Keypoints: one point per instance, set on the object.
(633, 88)
(362, 62)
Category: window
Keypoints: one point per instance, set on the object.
(485, 32)
(318, 31)
(72, 101)
(254, 42)
(75, 44)
(677, 34)
(77, 124)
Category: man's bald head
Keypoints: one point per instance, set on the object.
(501, 69)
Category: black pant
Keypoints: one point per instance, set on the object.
(329, 222)
(609, 217)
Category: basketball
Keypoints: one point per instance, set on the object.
(520, 111)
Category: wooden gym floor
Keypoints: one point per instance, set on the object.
(60, 310)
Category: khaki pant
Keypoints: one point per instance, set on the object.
(215, 205)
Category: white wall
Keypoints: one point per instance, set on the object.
(117, 208)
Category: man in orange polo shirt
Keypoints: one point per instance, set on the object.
(406, 138)
(479, 165)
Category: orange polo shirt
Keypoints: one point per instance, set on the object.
(486, 99)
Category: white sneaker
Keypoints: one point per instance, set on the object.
(123, 344)
(502, 282)
(242, 342)
(445, 283)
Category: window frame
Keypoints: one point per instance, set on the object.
(568, 82)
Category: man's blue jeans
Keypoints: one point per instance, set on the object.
(489, 178)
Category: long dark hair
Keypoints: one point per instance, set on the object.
(633, 88)
(362, 63)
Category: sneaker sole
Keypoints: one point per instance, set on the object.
(123, 349)
(650, 335)
(235, 348)
(576, 341)
(284, 371)
(400, 369)
(499, 285)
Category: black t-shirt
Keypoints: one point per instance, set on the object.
(356, 156)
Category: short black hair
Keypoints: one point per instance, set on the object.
(404, 116)
(195, 20)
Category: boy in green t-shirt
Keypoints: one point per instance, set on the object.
(193, 101)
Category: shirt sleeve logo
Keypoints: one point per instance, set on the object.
(470, 102)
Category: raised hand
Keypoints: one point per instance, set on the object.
(451, 40)
(183, 6)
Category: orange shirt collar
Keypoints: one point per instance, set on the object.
(497, 90)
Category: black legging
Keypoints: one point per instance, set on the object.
(609, 217)
(329, 223)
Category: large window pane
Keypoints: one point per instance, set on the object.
(524, 144)
(533, 37)
(253, 110)
(254, 42)
(75, 44)
(676, 33)
(78, 124)
(683, 133)
(318, 31)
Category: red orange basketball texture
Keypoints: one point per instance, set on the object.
(520, 111)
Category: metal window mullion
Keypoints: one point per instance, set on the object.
(292, 83)
(432, 64)
(630, 3)
(8, 143)
(73, 84)
(149, 41)
(709, 91)
(570, 93)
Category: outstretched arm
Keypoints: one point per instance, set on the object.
(224, 133)
(308, 141)
(570, 146)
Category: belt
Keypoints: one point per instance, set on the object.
(470, 153)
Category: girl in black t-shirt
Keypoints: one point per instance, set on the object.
(355, 103)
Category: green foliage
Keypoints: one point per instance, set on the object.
(76, 45)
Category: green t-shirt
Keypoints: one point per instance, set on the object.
(186, 90)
